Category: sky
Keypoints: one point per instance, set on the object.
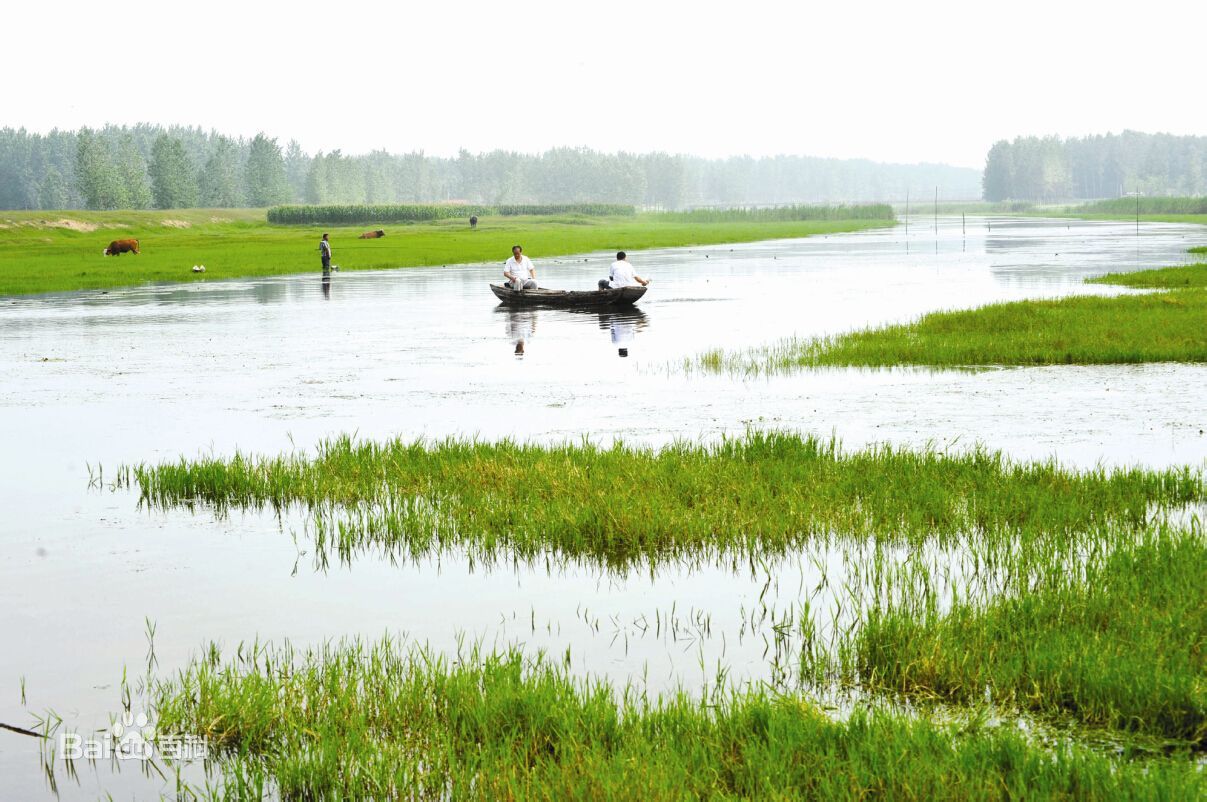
(900, 82)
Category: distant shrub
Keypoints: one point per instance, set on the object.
(366, 214)
(417, 213)
(866, 211)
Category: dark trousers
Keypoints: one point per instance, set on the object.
(326, 265)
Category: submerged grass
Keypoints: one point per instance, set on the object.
(762, 492)
(1086, 330)
(1120, 646)
(382, 721)
(59, 251)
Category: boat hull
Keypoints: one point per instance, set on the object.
(625, 296)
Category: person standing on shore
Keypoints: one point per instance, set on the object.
(325, 254)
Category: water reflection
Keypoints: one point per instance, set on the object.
(521, 325)
(622, 324)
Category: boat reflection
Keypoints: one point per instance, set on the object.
(622, 324)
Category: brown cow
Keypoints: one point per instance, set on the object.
(120, 246)
(378, 234)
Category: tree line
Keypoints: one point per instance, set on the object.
(150, 166)
(1050, 169)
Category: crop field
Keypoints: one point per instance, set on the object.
(55, 252)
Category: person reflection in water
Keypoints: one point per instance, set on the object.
(521, 324)
(623, 332)
(327, 287)
(623, 327)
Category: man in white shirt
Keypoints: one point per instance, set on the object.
(622, 275)
(518, 270)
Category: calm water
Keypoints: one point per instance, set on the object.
(268, 365)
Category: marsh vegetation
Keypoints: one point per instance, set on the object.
(1081, 330)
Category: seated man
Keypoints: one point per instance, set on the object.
(518, 270)
(622, 275)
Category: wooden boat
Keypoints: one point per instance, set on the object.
(625, 296)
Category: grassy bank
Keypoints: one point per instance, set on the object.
(763, 492)
(1120, 645)
(50, 252)
(1085, 330)
(382, 721)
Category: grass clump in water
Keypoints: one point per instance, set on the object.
(764, 492)
(1166, 278)
(1087, 330)
(1120, 646)
(382, 721)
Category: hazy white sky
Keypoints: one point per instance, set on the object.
(891, 81)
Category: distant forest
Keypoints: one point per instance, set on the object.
(1054, 169)
(149, 166)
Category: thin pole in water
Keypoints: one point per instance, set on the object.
(936, 210)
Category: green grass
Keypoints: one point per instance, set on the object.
(1085, 330)
(1121, 645)
(764, 492)
(1146, 206)
(352, 720)
(1165, 278)
(36, 257)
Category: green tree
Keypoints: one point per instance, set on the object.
(318, 183)
(267, 184)
(997, 180)
(173, 181)
(96, 174)
(219, 186)
(297, 168)
(132, 172)
(54, 193)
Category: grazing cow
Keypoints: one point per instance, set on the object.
(120, 246)
(473, 221)
(378, 234)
